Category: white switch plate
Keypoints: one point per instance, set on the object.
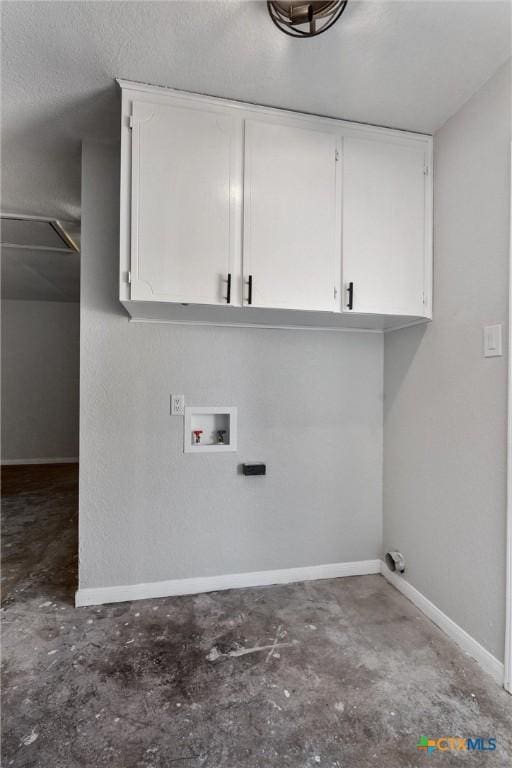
(493, 345)
(177, 405)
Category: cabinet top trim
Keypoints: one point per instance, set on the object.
(216, 101)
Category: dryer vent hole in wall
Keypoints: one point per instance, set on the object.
(395, 561)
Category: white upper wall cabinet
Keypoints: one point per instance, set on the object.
(292, 216)
(234, 213)
(185, 178)
(386, 226)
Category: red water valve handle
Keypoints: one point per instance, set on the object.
(197, 434)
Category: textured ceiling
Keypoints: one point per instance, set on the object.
(404, 64)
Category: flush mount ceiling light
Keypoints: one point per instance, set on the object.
(302, 19)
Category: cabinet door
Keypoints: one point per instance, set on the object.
(292, 217)
(385, 220)
(186, 212)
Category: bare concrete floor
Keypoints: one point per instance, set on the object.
(343, 673)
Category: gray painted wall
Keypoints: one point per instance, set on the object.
(445, 404)
(40, 379)
(310, 406)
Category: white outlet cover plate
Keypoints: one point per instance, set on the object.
(177, 405)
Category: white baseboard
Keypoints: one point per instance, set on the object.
(101, 595)
(58, 460)
(487, 661)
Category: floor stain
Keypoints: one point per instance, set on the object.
(341, 673)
